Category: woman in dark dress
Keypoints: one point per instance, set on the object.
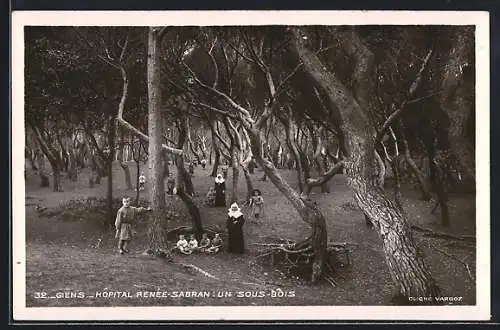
(220, 191)
(234, 224)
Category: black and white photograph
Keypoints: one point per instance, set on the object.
(251, 165)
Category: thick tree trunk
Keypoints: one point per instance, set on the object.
(155, 133)
(408, 271)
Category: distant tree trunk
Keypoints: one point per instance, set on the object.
(136, 148)
(216, 163)
(72, 166)
(248, 180)
(185, 189)
(166, 169)
(137, 175)
(64, 154)
(109, 163)
(307, 211)
(295, 151)
(426, 195)
(458, 97)
(437, 179)
(191, 145)
(120, 158)
(53, 156)
(44, 180)
(233, 197)
(155, 133)
(32, 158)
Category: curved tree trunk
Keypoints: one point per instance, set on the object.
(407, 268)
(307, 211)
(184, 185)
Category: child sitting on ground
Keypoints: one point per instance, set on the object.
(216, 244)
(193, 244)
(183, 245)
(204, 242)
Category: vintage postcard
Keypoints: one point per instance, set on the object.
(250, 165)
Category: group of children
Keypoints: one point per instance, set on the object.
(256, 202)
(170, 184)
(206, 245)
(215, 197)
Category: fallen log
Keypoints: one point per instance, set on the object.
(429, 232)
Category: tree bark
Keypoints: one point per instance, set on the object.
(408, 271)
(155, 133)
(155, 123)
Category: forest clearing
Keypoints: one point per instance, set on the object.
(250, 165)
